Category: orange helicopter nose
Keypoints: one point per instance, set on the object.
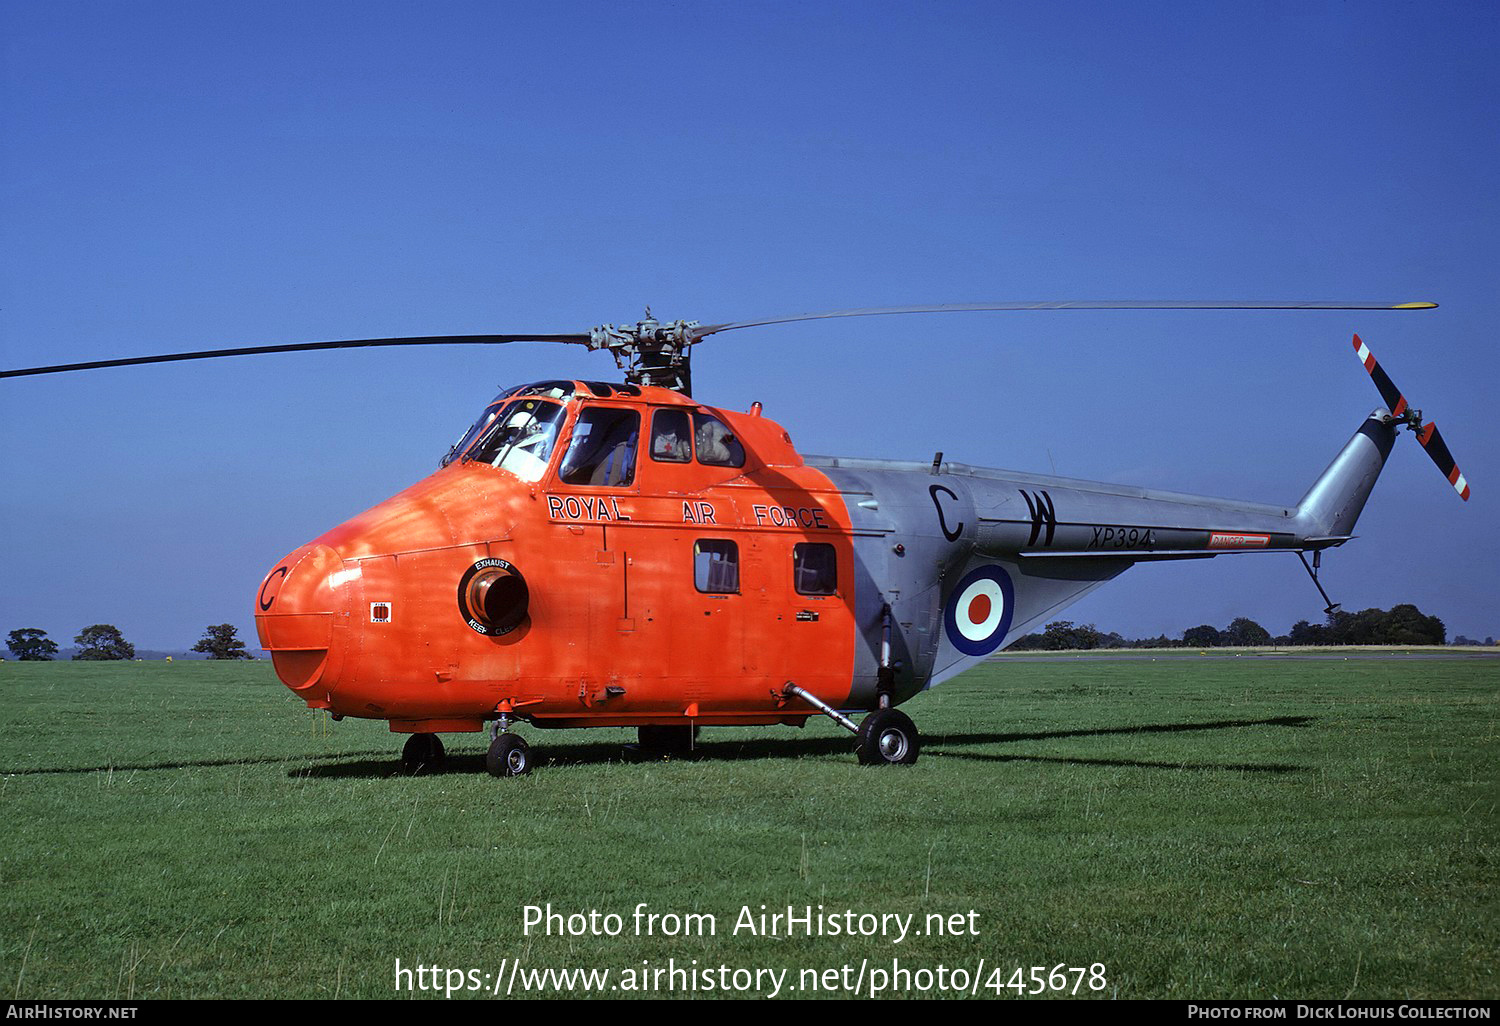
(296, 610)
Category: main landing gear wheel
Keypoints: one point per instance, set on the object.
(423, 754)
(509, 756)
(887, 737)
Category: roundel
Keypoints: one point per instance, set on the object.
(979, 611)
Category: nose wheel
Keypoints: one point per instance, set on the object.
(509, 755)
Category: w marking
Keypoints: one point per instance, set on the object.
(1042, 512)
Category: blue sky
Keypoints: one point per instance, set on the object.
(178, 176)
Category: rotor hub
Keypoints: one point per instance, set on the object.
(650, 353)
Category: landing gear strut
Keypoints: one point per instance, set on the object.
(887, 737)
(423, 753)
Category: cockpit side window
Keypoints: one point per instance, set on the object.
(717, 446)
(671, 437)
(603, 448)
(521, 441)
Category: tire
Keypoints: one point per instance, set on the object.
(423, 753)
(509, 756)
(887, 737)
(671, 740)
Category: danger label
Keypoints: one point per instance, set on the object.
(1238, 541)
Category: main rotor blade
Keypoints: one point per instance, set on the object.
(361, 343)
(1073, 304)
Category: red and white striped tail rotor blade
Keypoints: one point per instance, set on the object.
(1432, 440)
(1428, 435)
(1388, 390)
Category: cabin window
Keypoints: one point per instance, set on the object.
(716, 566)
(717, 446)
(815, 568)
(671, 437)
(602, 451)
(521, 440)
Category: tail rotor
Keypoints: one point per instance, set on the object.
(1403, 413)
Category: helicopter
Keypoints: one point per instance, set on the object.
(619, 554)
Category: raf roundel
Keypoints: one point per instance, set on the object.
(979, 611)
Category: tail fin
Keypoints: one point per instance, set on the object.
(1337, 497)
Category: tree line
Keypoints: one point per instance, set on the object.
(1403, 624)
(104, 641)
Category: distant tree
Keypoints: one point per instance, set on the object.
(1354, 628)
(1057, 635)
(1366, 628)
(103, 641)
(1245, 631)
(1406, 625)
(222, 642)
(31, 644)
(1064, 634)
(1088, 636)
(1202, 636)
(1304, 633)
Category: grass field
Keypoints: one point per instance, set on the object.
(1245, 828)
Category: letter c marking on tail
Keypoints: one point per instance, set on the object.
(958, 531)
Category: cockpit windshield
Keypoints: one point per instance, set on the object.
(541, 389)
(485, 420)
(521, 438)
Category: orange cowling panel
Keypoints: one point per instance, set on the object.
(450, 726)
(295, 631)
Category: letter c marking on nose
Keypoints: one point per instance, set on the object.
(265, 603)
